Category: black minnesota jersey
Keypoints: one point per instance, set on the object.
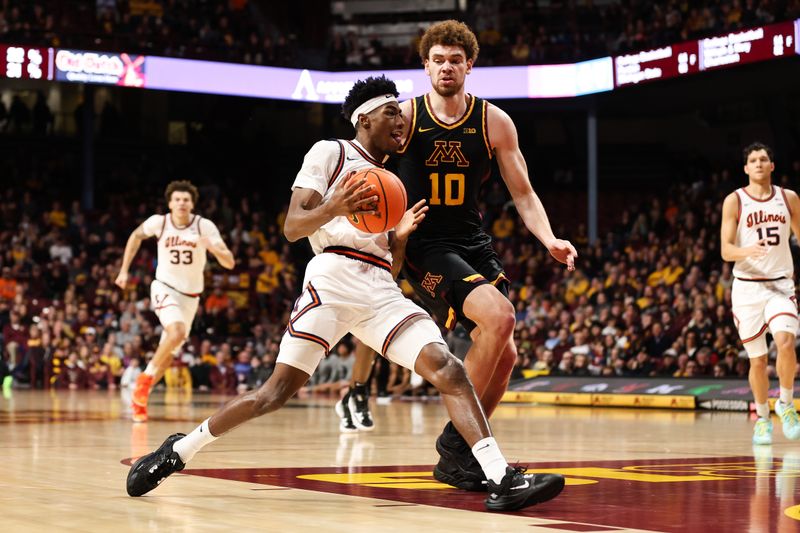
(446, 164)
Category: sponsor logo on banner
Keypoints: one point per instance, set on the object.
(100, 67)
(315, 86)
(725, 405)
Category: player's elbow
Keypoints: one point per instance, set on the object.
(724, 252)
(291, 231)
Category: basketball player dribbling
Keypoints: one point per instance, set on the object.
(183, 239)
(757, 222)
(348, 286)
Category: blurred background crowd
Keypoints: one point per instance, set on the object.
(651, 298)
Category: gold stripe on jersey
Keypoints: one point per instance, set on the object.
(455, 124)
(413, 125)
(485, 124)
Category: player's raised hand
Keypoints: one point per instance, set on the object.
(122, 280)
(352, 197)
(410, 220)
(563, 252)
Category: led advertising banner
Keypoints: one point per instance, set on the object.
(537, 81)
(100, 67)
(26, 62)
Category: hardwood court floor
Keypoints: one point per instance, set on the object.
(64, 458)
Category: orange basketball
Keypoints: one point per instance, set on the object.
(391, 204)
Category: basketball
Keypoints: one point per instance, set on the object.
(391, 204)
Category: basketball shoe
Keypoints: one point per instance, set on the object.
(343, 410)
(457, 465)
(791, 422)
(359, 408)
(762, 432)
(518, 489)
(149, 471)
(141, 392)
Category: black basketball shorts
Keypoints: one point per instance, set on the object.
(443, 273)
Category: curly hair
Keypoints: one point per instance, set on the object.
(181, 186)
(363, 90)
(449, 33)
(755, 147)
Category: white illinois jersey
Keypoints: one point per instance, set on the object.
(324, 167)
(181, 254)
(768, 219)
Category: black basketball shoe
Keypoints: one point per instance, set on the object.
(343, 410)
(149, 471)
(457, 466)
(518, 489)
(359, 408)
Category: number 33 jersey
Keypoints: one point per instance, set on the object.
(181, 254)
(445, 164)
(768, 219)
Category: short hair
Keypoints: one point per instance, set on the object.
(755, 147)
(181, 186)
(363, 90)
(449, 33)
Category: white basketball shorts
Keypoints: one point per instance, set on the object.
(343, 294)
(759, 306)
(172, 306)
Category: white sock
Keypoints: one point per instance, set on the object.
(151, 369)
(194, 441)
(762, 410)
(786, 396)
(487, 452)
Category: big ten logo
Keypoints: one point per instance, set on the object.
(447, 152)
(429, 283)
(470, 131)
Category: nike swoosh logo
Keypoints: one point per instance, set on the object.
(483, 447)
(521, 487)
(351, 158)
(423, 130)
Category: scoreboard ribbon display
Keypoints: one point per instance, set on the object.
(762, 43)
(735, 48)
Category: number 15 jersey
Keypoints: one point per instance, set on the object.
(445, 164)
(181, 254)
(768, 219)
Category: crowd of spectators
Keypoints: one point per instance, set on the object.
(651, 298)
(510, 31)
(222, 31)
(522, 32)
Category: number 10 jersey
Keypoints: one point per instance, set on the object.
(445, 164)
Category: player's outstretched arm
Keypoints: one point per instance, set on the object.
(131, 247)
(728, 248)
(222, 253)
(503, 136)
(399, 237)
(307, 212)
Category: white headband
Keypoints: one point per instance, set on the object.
(371, 105)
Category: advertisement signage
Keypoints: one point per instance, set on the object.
(100, 67)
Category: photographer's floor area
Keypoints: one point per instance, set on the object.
(66, 455)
